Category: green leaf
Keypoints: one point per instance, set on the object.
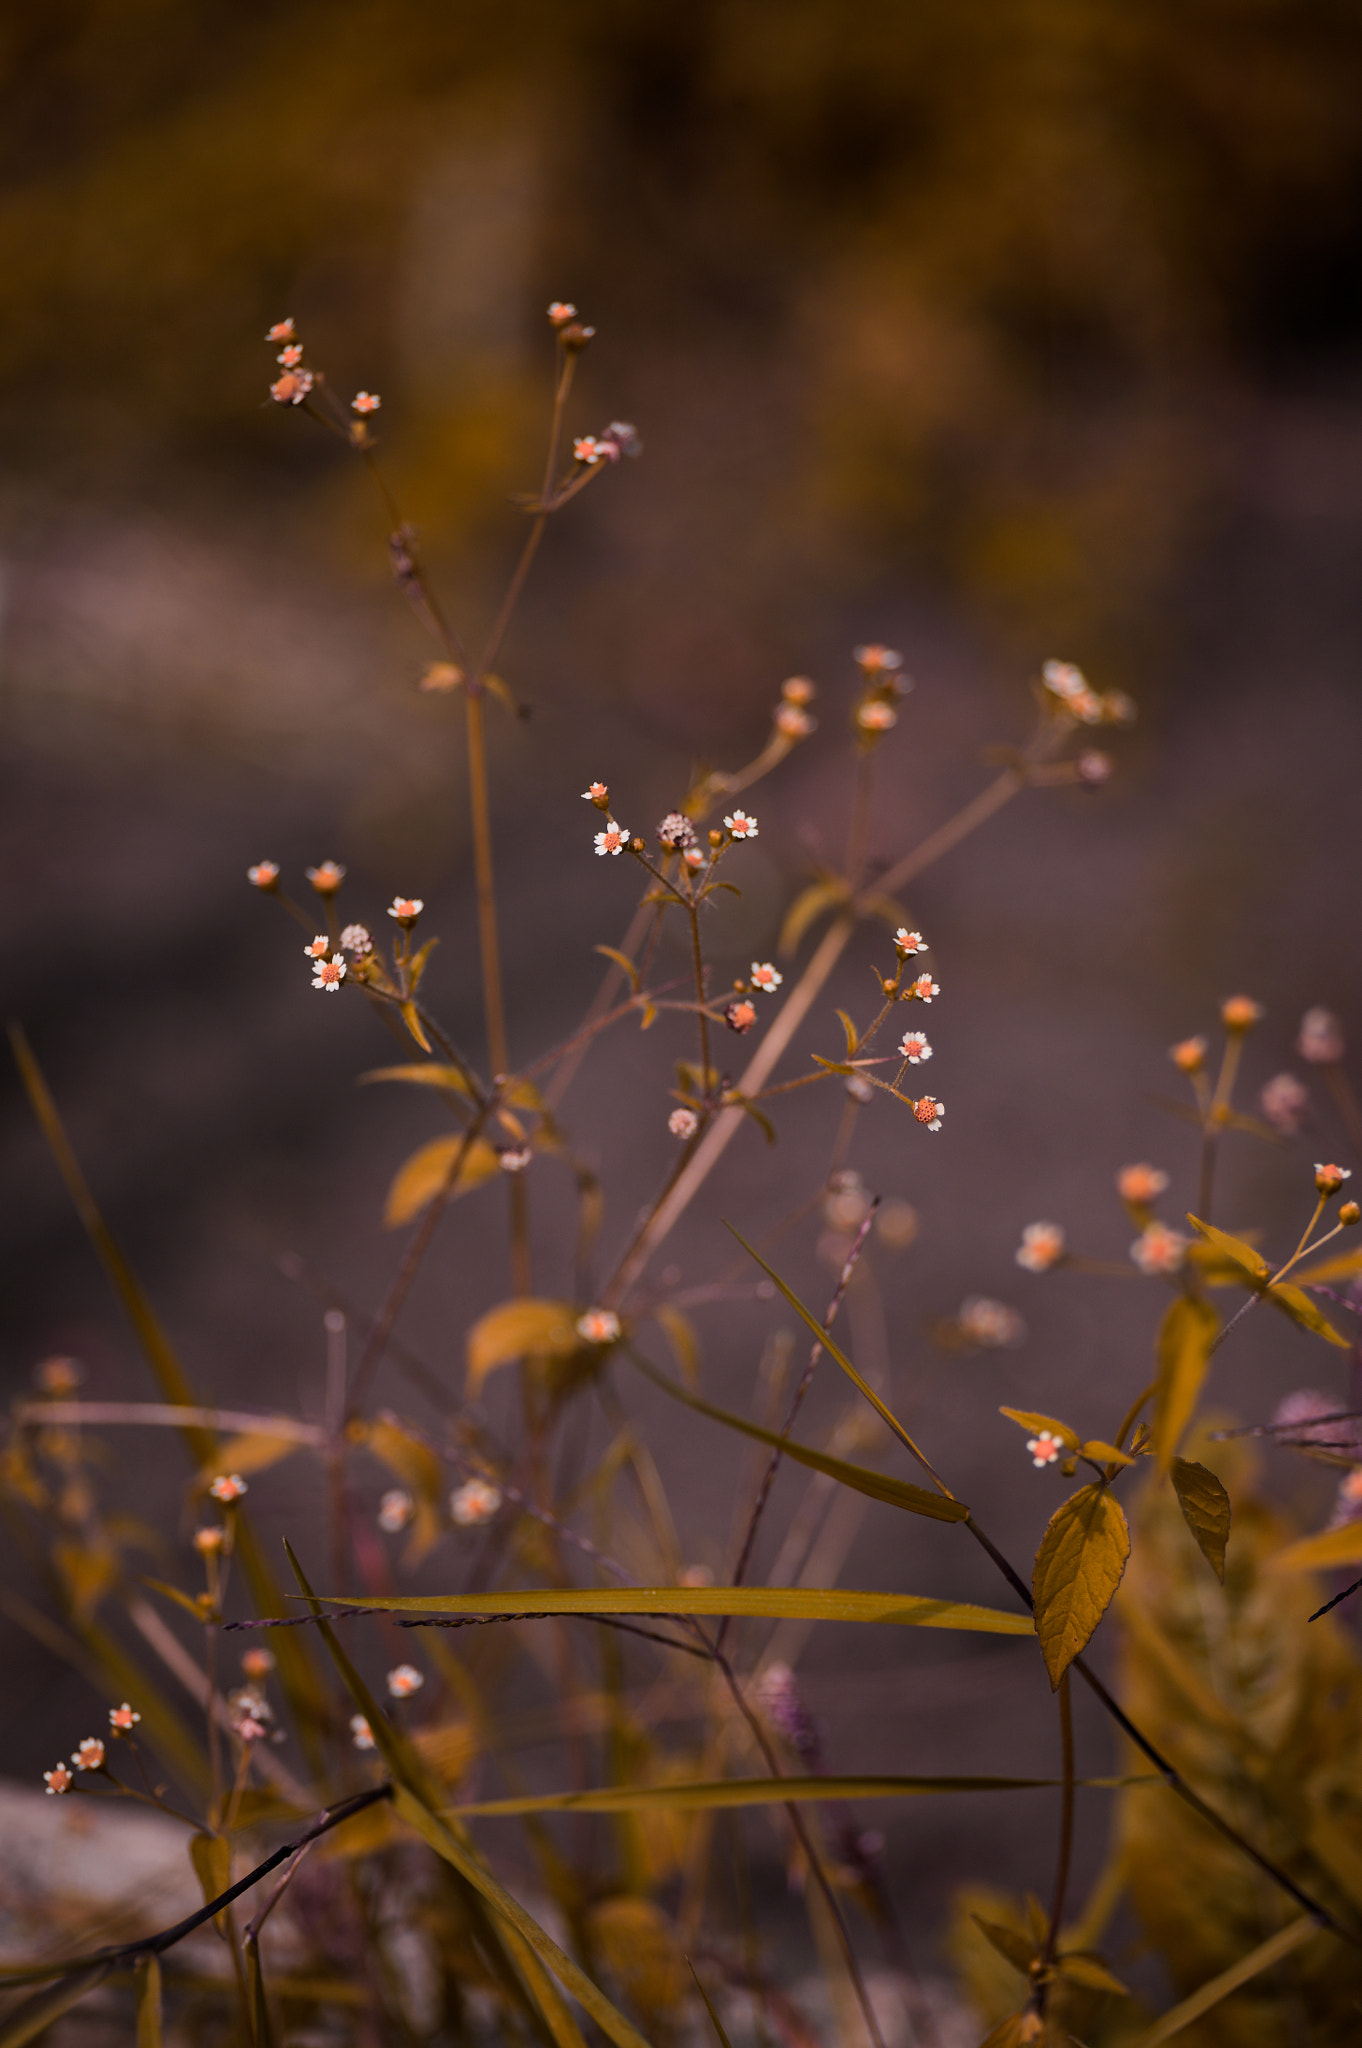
(180, 1599)
(709, 1794)
(1035, 1423)
(1090, 1971)
(1341, 1268)
(1253, 1263)
(1017, 1949)
(1182, 1355)
(425, 1074)
(148, 2002)
(519, 1329)
(897, 1493)
(426, 1174)
(1295, 1302)
(1078, 1568)
(797, 1603)
(1205, 1509)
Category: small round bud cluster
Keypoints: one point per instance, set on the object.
(356, 939)
(676, 832)
(880, 669)
(1284, 1101)
(1320, 1039)
(792, 716)
(1329, 1179)
(1042, 1247)
(598, 1326)
(1240, 1013)
(683, 1123)
(990, 1325)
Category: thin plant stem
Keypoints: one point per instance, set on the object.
(1066, 1819)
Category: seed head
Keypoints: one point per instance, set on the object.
(929, 1111)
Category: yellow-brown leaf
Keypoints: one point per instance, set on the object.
(519, 1329)
(1182, 1355)
(422, 1177)
(1078, 1568)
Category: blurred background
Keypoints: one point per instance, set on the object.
(992, 331)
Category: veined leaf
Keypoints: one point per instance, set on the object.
(1068, 1437)
(808, 906)
(1319, 1553)
(1205, 1509)
(424, 1073)
(424, 1176)
(897, 1493)
(1243, 1255)
(519, 1329)
(1078, 1568)
(1293, 1301)
(796, 1603)
(737, 1792)
(1182, 1355)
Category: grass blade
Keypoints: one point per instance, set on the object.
(780, 1603)
(1271, 1951)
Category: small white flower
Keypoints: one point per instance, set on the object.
(318, 948)
(475, 1502)
(924, 988)
(123, 1719)
(263, 875)
(915, 1048)
(1064, 679)
(361, 1734)
(765, 977)
(613, 840)
(365, 401)
(58, 1779)
(683, 1123)
(90, 1755)
(991, 1325)
(1142, 1183)
(598, 1326)
(1042, 1246)
(742, 825)
(228, 1487)
(329, 974)
(406, 909)
(515, 1158)
(1159, 1249)
(1044, 1448)
(596, 793)
(395, 1510)
(908, 943)
(404, 1680)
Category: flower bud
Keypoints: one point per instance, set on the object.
(1329, 1179)
(1349, 1214)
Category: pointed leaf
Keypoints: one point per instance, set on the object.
(425, 1074)
(253, 1451)
(1205, 1509)
(683, 1340)
(1182, 1356)
(1078, 1568)
(1269, 1952)
(411, 1017)
(724, 2041)
(1244, 1256)
(852, 1035)
(36, 2015)
(623, 962)
(1296, 1303)
(796, 1603)
(1035, 1423)
(1091, 1972)
(1104, 1453)
(426, 1174)
(519, 1329)
(710, 1794)
(1017, 1948)
(211, 1856)
(1341, 1268)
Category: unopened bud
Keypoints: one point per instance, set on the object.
(575, 337)
(1240, 1013)
(1349, 1214)
(716, 838)
(1329, 1179)
(1189, 1055)
(797, 690)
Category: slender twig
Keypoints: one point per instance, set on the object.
(1066, 1820)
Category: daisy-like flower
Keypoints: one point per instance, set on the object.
(361, 1734)
(740, 1017)
(798, 690)
(598, 1326)
(327, 878)
(228, 1487)
(257, 1663)
(1284, 1101)
(395, 1510)
(515, 1158)
(1188, 1055)
(1321, 1038)
(1142, 1183)
(683, 1123)
(694, 856)
(742, 825)
(406, 909)
(765, 977)
(1240, 1013)
(329, 974)
(676, 831)
(282, 330)
(915, 1048)
(992, 1325)
(907, 943)
(291, 356)
(356, 939)
(874, 660)
(586, 449)
(89, 1755)
(1042, 1246)
(404, 1680)
(292, 388)
(1159, 1249)
(1063, 679)
(474, 1503)
(122, 1719)
(924, 988)
(793, 721)
(1044, 1448)
(597, 793)
(560, 312)
(876, 716)
(264, 875)
(1329, 1179)
(317, 948)
(614, 839)
(930, 1112)
(210, 1539)
(58, 1779)
(365, 401)
(1093, 768)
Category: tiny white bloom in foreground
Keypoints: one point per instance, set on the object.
(915, 1048)
(406, 909)
(924, 988)
(764, 976)
(1321, 1038)
(595, 792)
(89, 1755)
(329, 974)
(58, 1779)
(318, 948)
(515, 1158)
(683, 1123)
(1044, 1448)
(395, 1510)
(991, 1325)
(404, 1680)
(361, 1734)
(1142, 1183)
(598, 1326)
(228, 1486)
(742, 825)
(876, 716)
(908, 943)
(1042, 1246)
(263, 875)
(929, 1111)
(122, 1719)
(356, 939)
(475, 1502)
(1159, 1249)
(613, 840)
(365, 401)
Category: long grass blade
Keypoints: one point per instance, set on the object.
(1292, 1936)
(780, 1603)
(37, 2014)
(734, 1792)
